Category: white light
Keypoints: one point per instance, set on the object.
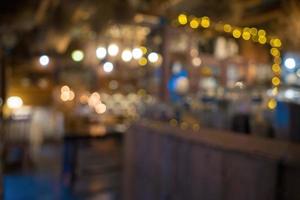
(44, 60)
(101, 52)
(108, 67)
(153, 57)
(126, 55)
(77, 55)
(14, 102)
(113, 49)
(290, 63)
(137, 53)
(289, 94)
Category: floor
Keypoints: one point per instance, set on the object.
(93, 172)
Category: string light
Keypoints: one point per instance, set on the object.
(275, 81)
(227, 28)
(194, 23)
(205, 22)
(236, 33)
(143, 61)
(272, 104)
(182, 19)
(247, 33)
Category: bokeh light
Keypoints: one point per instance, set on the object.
(44, 60)
(77, 55)
(153, 57)
(14, 102)
(126, 55)
(113, 49)
(108, 67)
(101, 52)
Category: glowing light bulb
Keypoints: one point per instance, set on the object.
(153, 57)
(143, 61)
(108, 67)
(236, 33)
(137, 53)
(182, 19)
(194, 24)
(100, 108)
(113, 49)
(101, 53)
(14, 102)
(77, 55)
(126, 55)
(44, 60)
(290, 63)
(205, 22)
(196, 61)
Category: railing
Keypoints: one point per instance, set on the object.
(163, 162)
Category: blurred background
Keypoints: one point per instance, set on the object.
(85, 84)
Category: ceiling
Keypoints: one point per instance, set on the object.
(28, 27)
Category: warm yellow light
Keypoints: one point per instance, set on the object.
(277, 43)
(236, 33)
(77, 55)
(277, 60)
(262, 39)
(144, 50)
(246, 35)
(71, 95)
(182, 19)
(275, 52)
(276, 68)
(65, 96)
(14, 102)
(272, 104)
(143, 61)
(100, 108)
(275, 81)
(194, 23)
(227, 28)
(205, 22)
(253, 31)
(65, 88)
(262, 32)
